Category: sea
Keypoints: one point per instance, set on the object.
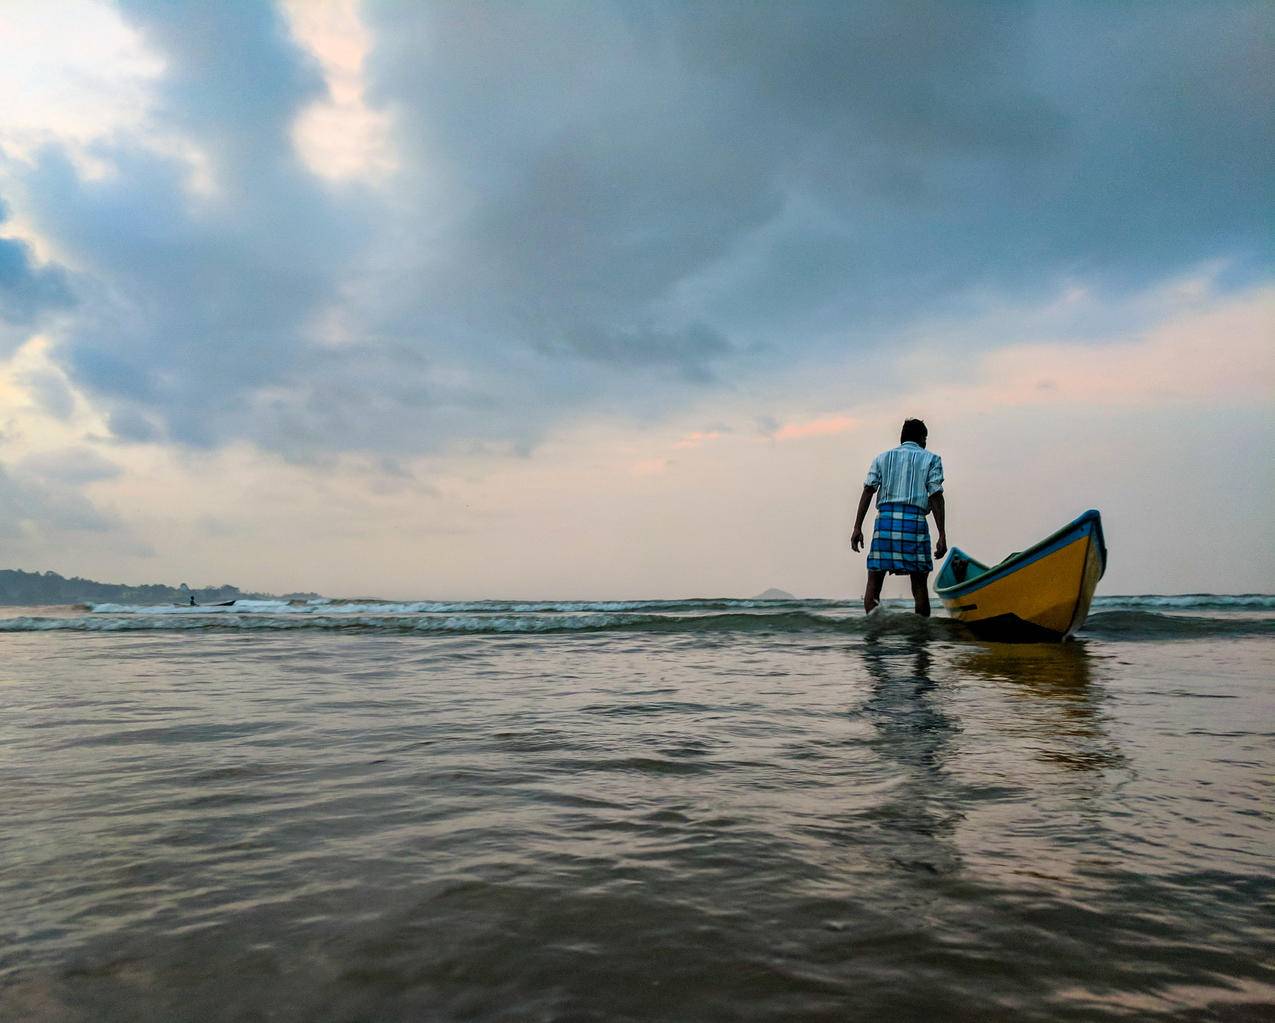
(681, 810)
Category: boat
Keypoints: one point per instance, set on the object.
(1041, 594)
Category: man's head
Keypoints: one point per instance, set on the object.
(913, 430)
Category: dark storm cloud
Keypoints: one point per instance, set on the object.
(28, 501)
(50, 392)
(621, 204)
(69, 465)
(191, 308)
(830, 166)
(690, 352)
(28, 290)
(127, 424)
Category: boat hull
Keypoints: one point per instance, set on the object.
(1040, 595)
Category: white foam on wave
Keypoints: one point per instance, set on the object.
(1170, 601)
(238, 607)
(1123, 622)
(354, 608)
(527, 623)
(326, 606)
(88, 623)
(166, 621)
(417, 623)
(497, 617)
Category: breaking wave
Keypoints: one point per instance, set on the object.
(388, 607)
(1153, 625)
(409, 623)
(1113, 618)
(1192, 601)
(324, 607)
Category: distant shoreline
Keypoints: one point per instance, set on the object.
(20, 589)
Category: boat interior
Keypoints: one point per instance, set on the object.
(961, 568)
(958, 568)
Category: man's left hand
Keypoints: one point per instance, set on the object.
(940, 548)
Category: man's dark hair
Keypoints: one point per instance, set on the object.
(913, 430)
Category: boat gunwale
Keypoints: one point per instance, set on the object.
(1089, 522)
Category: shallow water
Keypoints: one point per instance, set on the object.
(769, 819)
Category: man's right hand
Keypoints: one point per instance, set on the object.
(856, 540)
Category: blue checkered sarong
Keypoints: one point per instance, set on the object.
(900, 540)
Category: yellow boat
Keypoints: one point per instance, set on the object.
(1040, 594)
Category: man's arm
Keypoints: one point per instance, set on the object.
(940, 521)
(865, 499)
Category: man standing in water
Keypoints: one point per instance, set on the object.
(908, 482)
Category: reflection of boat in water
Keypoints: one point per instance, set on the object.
(1042, 593)
(1056, 693)
(1061, 673)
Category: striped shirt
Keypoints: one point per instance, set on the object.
(907, 474)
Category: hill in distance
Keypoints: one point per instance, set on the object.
(774, 594)
(18, 587)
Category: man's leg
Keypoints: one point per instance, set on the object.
(921, 592)
(872, 595)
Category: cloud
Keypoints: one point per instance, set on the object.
(1219, 355)
(45, 508)
(698, 438)
(80, 73)
(689, 353)
(49, 391)
(339, 137)
(28, 290)
(131, 426)
(822, 426)
(612, 207)
(650, 467)
(75, 466)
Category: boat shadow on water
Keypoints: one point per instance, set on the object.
(1052, 697)
(1056, 689)
(930, 684)
(936, 707)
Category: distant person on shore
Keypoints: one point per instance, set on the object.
(908, 482)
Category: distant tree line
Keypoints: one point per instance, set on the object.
(18, 587)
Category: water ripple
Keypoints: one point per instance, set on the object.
(339, 826)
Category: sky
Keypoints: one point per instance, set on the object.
(618, 300)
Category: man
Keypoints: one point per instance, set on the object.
(908, 482)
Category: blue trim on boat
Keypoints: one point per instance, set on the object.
(1090, 523)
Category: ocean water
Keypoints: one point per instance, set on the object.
(669, 810)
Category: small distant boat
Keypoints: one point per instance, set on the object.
(1041, 594)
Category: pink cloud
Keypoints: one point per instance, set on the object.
(1219, 354)
(823, 426)
(694, 440)
(649, 466)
